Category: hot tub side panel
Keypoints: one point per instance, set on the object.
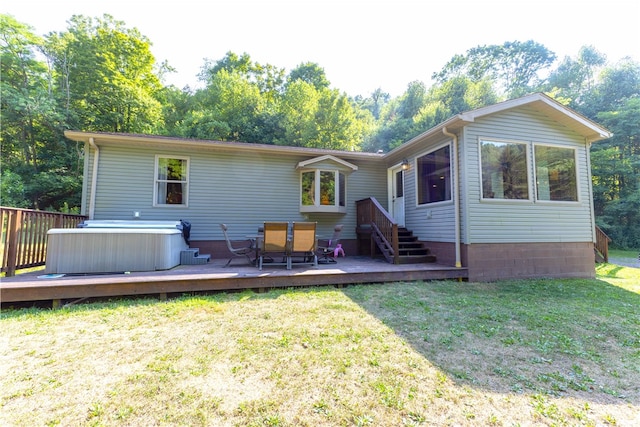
(112, 250)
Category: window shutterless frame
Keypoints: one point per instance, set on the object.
(433, 176)
(323, 190)
(505, 174)
(556, 173)
(171, 181)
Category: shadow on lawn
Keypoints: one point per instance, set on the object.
(569, 337)
(578, 338)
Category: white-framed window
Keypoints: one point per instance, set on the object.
(505, 170)
(556, 173)
(171, 181)
(323, 190)
(434, 176)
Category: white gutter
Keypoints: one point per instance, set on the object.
(94, 178)
(456, 189)
(588, 144)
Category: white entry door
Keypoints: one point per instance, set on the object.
(397, 195)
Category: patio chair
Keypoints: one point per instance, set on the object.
(327, 248)
(275, 242)
(303, 244)
(237, 252)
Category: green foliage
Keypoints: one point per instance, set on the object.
(575, 76)
(100, 75)
(512, 66)
(616, 174)
(105, 72)
(311, 73)
(12, 190)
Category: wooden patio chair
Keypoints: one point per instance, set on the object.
(303, 243)
(238, 252)
(275, 242)
(327, 247)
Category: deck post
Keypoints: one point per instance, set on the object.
(14, 228)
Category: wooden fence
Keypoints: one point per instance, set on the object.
(23, 243)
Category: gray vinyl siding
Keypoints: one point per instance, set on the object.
(242, 189)
(432, 222)
(525, 221)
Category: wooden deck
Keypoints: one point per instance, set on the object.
(213, 276)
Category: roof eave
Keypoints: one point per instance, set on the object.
(100, 137)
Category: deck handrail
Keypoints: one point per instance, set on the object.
(370, 212)
(23, 240)
(602, 243)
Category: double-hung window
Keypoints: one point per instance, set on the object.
(434, 176)
(171, 181)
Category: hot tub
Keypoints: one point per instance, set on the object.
(108, 249)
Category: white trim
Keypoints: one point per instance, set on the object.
(528, 159)
(535, 173)
(185, 196)
(391, 191)
(306, 163)
(416, 175)
(318, 206)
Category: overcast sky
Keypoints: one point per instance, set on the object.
(361, 44)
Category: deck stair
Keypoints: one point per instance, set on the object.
(412, 251)
(192, 256)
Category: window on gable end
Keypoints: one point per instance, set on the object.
(556, 178)
(505, 174)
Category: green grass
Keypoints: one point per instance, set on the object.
(534, 352)
(625, 254)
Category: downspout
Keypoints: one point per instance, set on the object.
(456, 197)
(94, 178)
(591, 203)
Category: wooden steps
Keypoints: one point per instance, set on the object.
(411, 251)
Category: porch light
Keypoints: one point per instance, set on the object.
(405, 164)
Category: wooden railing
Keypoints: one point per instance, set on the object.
(384, 230)
(602, 244)
(23, 242)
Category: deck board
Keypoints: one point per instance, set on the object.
(213, 276)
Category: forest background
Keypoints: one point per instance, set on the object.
(100, 75)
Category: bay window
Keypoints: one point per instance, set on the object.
(322, 191)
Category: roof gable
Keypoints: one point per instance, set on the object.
(550, 107)
(590, 130)
(342, 164)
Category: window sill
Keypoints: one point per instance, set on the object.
(323, 209)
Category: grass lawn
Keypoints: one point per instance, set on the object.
(535, 352)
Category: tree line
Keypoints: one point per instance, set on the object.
(100, 75)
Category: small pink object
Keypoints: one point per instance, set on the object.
(338, 250)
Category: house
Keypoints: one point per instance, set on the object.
(504, 191)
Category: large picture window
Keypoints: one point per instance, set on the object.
(556, 173)
(171, 181)
(504, 170)
(434, 176)
(323, 190)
